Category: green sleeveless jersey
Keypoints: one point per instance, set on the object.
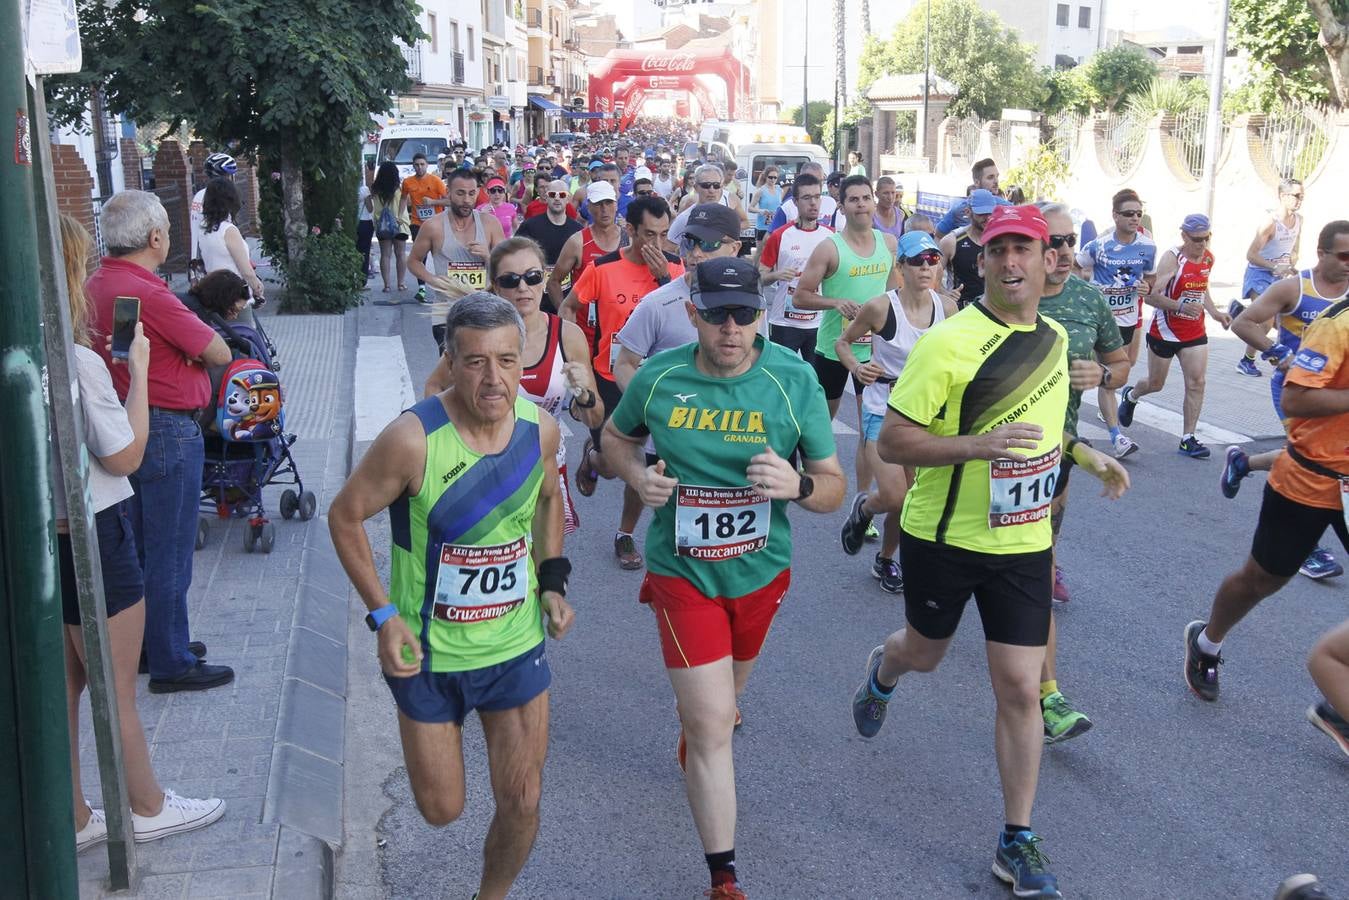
(857, 279)
(462, 575)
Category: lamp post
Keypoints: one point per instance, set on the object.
(927, 68)
(1213, 131)
(805, 69)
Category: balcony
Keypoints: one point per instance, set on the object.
(536, 75)
(534, 18)
(572, 41)
(413, 56)
(457, 68)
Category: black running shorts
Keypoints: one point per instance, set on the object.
(1287, 532)
(834, 377)
(1168, 349)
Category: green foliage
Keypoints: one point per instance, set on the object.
(1116, 74)
(327, 278)
(819, 121)
(971, 48)
(271, 224)
(1169, 95)
(1040, 175)
(1287, 63)
(1069, 91)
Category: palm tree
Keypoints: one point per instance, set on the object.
(866, 19)
(840, 57)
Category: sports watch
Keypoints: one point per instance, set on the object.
(378, 617)
(807, 488)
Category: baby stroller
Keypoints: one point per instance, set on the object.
(247, 447)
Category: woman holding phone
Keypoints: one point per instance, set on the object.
(115, 437)
(221, 244)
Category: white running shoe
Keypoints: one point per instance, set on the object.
(1123, 446)
(178, 815)
(95, 831)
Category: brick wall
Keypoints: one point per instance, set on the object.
(174, 189)
(196, 155)
(130, 155)
(246, 180)
(74, 188)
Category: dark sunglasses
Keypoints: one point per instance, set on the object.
(496, 190)
(556, 195)
(926, 258)
(511, 280)
(1130, 213)
(743, 315)
(770, 178)
(710, 185)
(1058, 241)
(1341, 255)
(646, 193)
(713, 246)
(1199, 238)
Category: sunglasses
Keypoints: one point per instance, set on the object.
(646, 193)
(496, 190)
(690, 242)
(1199, 238)
(511, 280)
(556, 195)
(926, 258)
(710, 185)
(1058, 241)
(1130, 213)
(770, 178)
(1341, 255)
(743, 315)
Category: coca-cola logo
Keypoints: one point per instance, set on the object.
(684, 62)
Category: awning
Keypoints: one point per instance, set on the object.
(583, 115)
(544, 104)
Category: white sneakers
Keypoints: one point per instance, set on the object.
(179, 814)
(1123, 446)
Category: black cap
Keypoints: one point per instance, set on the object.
(727, 281)
(709, 221)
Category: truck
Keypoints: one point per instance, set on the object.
(753, 146)
(400, 141)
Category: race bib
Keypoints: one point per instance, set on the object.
(425, 212)
(713, 523)
(747, 234)
(1020, 490)
(477, 584)
(797, 315)
(1191, 306)
(1122, 300)
(472, 274)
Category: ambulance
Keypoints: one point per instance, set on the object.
(401, 140)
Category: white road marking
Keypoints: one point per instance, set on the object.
(843, 428)
(383, 385)
(1171, 422)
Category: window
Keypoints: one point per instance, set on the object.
(1084, 17)
(1194, 50)
(431, 28)
(1062, 19)
(454, 36)
(471, 42)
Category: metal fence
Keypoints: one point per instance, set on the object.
(1294, 140)
(1125, 136)
(965, 141)
(1063, 134)
(1189, 132)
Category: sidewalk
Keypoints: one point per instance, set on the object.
(271, 743)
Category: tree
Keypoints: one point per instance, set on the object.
(1069, 91)
(294, 80)
(1116, 74)
(971, 48)
(1333, 18)
(1280, 36)
(819, 121)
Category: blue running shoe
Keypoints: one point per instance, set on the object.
(1320, 564)
(1247, 366)
(1191, 447)
(1237, 467)
(1022, 865)
(868, 706)
(1127, 405)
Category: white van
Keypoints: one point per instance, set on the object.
(399, 143)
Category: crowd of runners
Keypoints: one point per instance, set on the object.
(708, 379)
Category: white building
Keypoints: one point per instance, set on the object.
(447, 71)
(505, 70)
(1064, 34)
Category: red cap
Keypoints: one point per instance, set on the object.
(1023, 220)
(494, 181)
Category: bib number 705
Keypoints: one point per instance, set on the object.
(489, 580)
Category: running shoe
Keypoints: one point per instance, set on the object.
(1235, 308)
(887, 572)
(1191, 447)
(1061, 720)
(1324, 717)
(1320, 564)
(727, 890)
(1237, 467)
(625, 548)
(1123, 446)
(586, 476)
(421, 295)
(1301, 887)
(868, 707)
(1127, 405)
(1061, 594)
(95, 831)
(873, 533)
(1201, 670)
(854, 528)
(1247, 366)
(1021, 864)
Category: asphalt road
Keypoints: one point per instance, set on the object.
(1166, 797)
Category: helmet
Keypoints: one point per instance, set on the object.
(218, 164)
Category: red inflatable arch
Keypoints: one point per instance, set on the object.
(624, 76)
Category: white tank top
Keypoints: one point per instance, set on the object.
(1280, 246)
(890, 349)
(214, 253)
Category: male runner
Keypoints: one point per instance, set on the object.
(423, 194)
(961, 249)
(726, 415)
(553, 228)
(458, 243)
(1122, 261)
(979, 410)
(785, 254)
(613, 285)
(1177, 329)
(984, 176)
(1293, 304)
(1272, 255)
(889, 216)
(787, 211)
(461, 626)
(709, 186)
(664, 182)
(896, 319)
(1308, 490)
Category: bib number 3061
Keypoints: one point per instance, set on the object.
(713, 523)
(475, 584)
(1020, 490)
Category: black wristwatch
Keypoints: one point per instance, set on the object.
(807, 488)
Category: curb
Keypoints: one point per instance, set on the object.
(305, 781)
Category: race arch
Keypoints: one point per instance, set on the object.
(621, 80)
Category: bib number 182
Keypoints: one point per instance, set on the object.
(724, 524)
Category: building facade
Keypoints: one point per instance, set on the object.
(1064, 33)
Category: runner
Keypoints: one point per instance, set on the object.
(1095, 356)
(1121, 261)
(423, 194)
(843, 272)
(1178, 330)
(961, 249)
(719, 548)
(710, 187)
(1272, 255)
(788, 212)
(984, 177)
(553, 228)
(605, 235)
(889, 216)
(613, 285)
(979, 411)
(1292, 304)
(897, 319)
(1308, 487)
(469, 634)
(1329, 665)
(784, 257)
(458, 242)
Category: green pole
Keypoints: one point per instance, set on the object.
(38, 855)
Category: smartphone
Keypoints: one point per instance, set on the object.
(126, 312)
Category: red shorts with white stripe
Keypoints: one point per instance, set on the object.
(696, 629)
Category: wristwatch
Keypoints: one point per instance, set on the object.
(807, 488)
(378, 617)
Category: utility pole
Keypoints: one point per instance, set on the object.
(805, 68)
(927, 77)
(1214, 130)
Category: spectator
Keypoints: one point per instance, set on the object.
(855, 166)
(392, 230)
(505, 211)
(115, 438)
(222, 246)
(217, 165)
(168, 484)
(365, 226)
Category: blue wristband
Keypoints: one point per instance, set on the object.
(376, 618)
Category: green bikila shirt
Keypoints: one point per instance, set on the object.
(857, 279)
(1083, 312)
